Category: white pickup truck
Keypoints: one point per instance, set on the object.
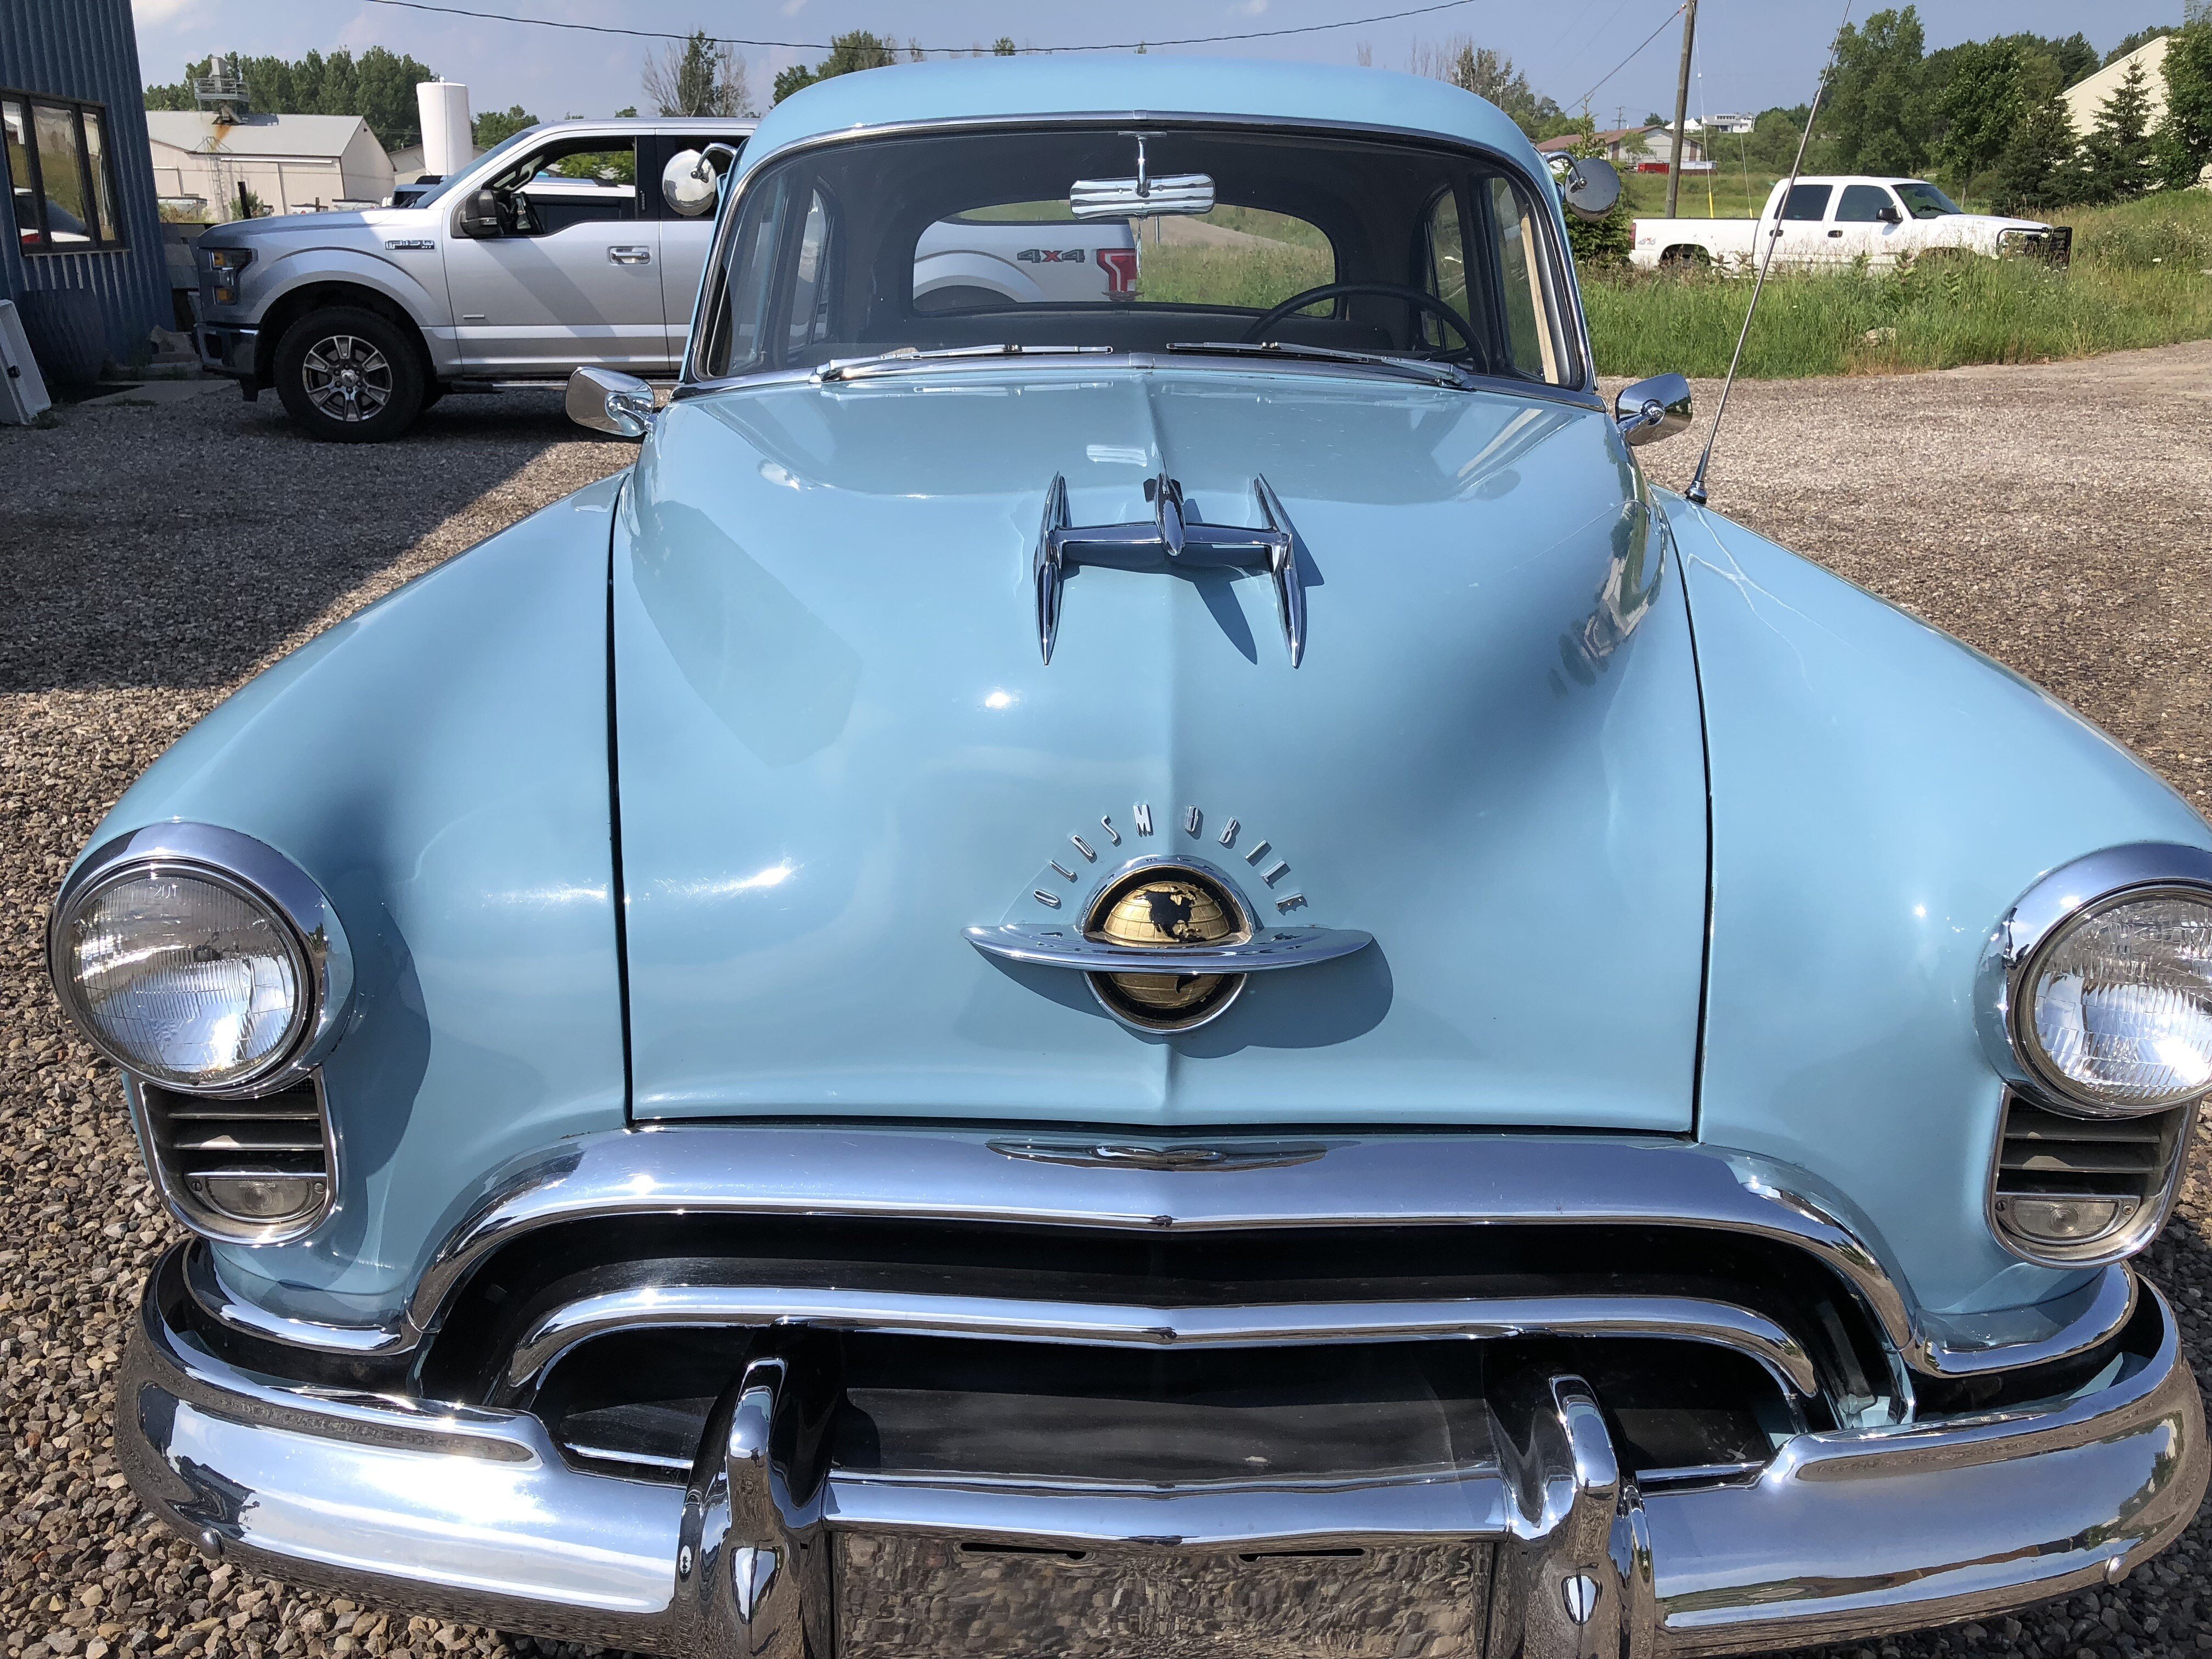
(1840, 218)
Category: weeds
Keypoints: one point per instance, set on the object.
(2137, 280)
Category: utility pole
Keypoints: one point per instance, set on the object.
(1682, 105)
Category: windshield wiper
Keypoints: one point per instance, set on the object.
(890, 362)
(1412, 369)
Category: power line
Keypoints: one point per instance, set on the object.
(825, 45)
(1602, 79)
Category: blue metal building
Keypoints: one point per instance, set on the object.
(81, 250)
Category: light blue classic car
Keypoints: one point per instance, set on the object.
(1165, 974)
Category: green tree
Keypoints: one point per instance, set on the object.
(2037, 173)
(379, 87)
(1878, 112)
(2118, 160)
(856, 49)
(703, 76)
(1488, 73)
(1004, 46)
(2185, 137)
(497, 125)
(1979, 106)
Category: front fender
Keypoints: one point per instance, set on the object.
(413, 280)
(966, 268)
(438, 763)
(1880, 795)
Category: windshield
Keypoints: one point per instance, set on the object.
(1047, 237)
(1924, 201)
(513, 141)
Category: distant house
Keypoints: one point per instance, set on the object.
(289, 163)
(81, 252)
(1721, 124)
(1632, 148)
(2084, 99)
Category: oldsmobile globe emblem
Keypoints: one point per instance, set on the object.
(1166, 939)
(1164, 907)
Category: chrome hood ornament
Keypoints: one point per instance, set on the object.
(1175, 537)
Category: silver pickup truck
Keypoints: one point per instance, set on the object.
(574, 243)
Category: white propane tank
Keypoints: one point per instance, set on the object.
(445, 145)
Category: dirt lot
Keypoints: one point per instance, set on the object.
(151, 558)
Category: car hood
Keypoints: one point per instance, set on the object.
(839, 746)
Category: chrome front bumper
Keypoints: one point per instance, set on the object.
(1548, 1548)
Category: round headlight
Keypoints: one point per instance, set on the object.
(2114, 1009)
(183, 977)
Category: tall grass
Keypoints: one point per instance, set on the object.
(1258, 277)
(2142, 276)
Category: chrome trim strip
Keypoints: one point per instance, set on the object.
(262, 873)
(2009, 959)
(214, 1295)
(561, 1329)
(473, 1514)
(1563, 290)
(1409, 1179)
(1047, 945)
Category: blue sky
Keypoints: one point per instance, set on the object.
(1751, 54)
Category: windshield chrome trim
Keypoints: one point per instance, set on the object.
(1559, 262)
(1145, 362)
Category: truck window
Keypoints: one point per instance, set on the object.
(1807, 201)
(1924, 201)
(584, 180)
(1863, 204)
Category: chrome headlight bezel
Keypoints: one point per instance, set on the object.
(2066, 897)
(256, 871)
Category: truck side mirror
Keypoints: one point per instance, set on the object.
(480, 214)
(1890, 215)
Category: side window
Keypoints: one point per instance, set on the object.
(1863, 204)
(1446, 276)
(1529, 337)
(15, 147)
(583, 182)
(1807, 201)
(813, 283)
(55, 157)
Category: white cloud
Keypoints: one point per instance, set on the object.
(793, 8)
(153, 14)
(1251, 8)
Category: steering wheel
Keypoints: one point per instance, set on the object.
(1419, 297)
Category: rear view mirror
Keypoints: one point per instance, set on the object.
(1588, 186)
(1145, 196)
(689, 185)
(480, 213)
(1141, 198)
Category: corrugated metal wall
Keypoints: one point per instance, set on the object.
(87, 49)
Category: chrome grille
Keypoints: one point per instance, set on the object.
(206, 1149)
(2044, 1156)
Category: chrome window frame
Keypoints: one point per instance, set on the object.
(257, 871)
(1565, 293)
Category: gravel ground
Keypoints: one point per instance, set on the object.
(151, 558)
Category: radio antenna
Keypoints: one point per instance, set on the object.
(1696, 492)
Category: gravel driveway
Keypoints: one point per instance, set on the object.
(2057, 517)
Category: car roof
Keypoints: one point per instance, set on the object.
(736, 125)
(1131, 87)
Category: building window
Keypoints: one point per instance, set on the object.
(58, 161)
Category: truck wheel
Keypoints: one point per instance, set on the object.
(1686, 259)
(348, 376)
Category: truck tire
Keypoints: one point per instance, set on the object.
(349, 376)
(1685, 257)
